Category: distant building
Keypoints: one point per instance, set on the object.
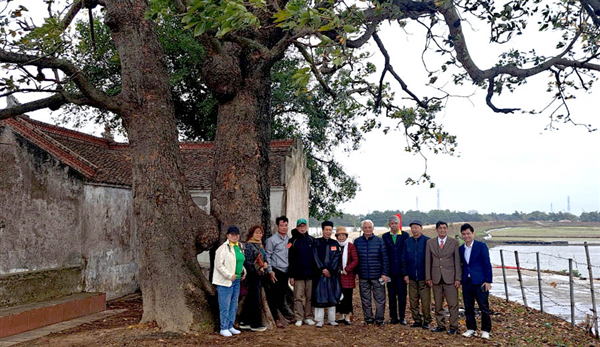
(66, 207)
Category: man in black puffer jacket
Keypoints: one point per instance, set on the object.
(373, 272)
(301, 272)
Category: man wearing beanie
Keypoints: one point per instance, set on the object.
(327, 289)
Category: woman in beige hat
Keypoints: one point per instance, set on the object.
(347, 265)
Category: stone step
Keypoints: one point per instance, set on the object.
(18, 319)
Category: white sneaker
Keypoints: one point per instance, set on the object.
(334, 323)
(298, 323)
(309, 321)
(485, 335)
(319, 324)
(234, 331)
(225, 333)
(470, 333)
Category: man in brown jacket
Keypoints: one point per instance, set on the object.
(443, 272)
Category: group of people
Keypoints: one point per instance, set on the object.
(323, 271)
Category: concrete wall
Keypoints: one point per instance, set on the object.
(109, 241)
(297, 184)
(50, 219)
(40, 202)
(35, 286)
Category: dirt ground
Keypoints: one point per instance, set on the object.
(513, 325)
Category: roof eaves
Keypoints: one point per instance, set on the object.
(50, 145)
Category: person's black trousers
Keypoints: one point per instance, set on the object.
(475, 292)
(276, 293)
(345, 306)
(397, 291)
(251, 313)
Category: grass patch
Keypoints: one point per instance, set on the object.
(549, 232)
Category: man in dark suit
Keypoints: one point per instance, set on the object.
(476, 279)
(443, 272)
(394, 243)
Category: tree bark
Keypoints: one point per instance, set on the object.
(170, 228)
(241, 187)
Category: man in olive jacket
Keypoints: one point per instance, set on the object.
(394, 244)
(443, 272)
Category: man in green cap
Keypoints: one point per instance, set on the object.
(301, 272)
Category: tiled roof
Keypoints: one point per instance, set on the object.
(104, 161)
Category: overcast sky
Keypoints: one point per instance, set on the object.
(505, 163)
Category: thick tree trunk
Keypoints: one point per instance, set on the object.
(175, 292)
(241, 187)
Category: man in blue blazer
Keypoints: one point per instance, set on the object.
(477, 281)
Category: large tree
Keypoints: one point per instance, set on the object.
(170, 228)
(321, 122)
(243, 41)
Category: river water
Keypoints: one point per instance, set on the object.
(555, 287)
(554, 258)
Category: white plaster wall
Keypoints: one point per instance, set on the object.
(109, 241)
(278, 206)
(297, 184)
(201, 198)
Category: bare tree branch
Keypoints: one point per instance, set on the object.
(390, 68)
(314, 70)
(359, 42)
(52, 102)
(592, 7)
(75, 7)
(453, 22)
(95, 96)
(488, 99)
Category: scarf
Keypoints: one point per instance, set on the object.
(344, 254)
(252, 240)
(261, 255)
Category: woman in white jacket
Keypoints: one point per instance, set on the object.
(227, 275)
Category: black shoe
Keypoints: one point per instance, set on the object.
(402, 322)
(416, 325)
(425, 326)
(452, 331)
(344, 322)
(394, 321)
(380, 323)
(438, 330)
(369, 321)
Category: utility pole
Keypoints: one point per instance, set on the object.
(569, 204)
(417, 203)
(438, 199)
(551, 210)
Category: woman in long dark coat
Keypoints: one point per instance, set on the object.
(327, 288)
(256, 267)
